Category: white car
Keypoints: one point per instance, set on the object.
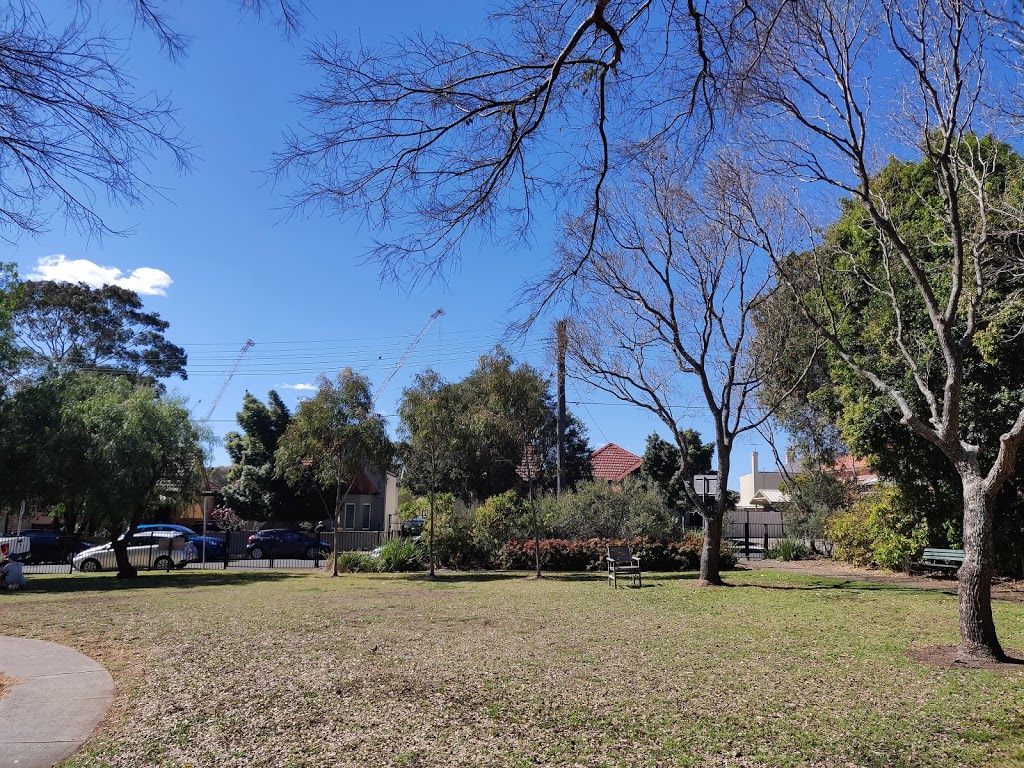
(160, 550)
(14, 545)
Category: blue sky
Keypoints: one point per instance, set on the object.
(219, 257)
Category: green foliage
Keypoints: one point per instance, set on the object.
(400, 556)
(816, 497)
(789, 549)
(105, 449)
(355, 562)
(879, 529)
(455, 545)
(254, 489)
(502, 517)
(590, 554)
(333, 437)
(663, 466)
(599, 509)
(470, 437)
(71, 325)
(852, 265)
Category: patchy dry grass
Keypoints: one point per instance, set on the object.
(277, 669)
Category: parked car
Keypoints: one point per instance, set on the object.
(282, 543)
(52, 547)
(149, 549)
(214, 546)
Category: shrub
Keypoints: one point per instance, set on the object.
(599, 509)
(400, 555)
(589, 554)
(789, 549)
(355, 562)
(879, 529)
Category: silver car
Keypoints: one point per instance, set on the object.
(160, 550)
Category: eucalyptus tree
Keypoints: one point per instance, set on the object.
(75, 326)
(333, 437)
(434, 432)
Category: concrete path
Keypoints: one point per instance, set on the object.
(62, 699)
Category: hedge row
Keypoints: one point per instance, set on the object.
(590, 554)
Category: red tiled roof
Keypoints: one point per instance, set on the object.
(610, 462)
(851, 468)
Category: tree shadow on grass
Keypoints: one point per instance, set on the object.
(845, 585)
(155, 580)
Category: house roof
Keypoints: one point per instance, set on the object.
(769, 496)
(610, 462)
(852, 468)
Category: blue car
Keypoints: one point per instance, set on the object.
(214, 546)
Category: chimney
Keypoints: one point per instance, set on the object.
(753, 466)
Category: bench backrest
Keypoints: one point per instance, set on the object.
(943, 554)
(620, 553)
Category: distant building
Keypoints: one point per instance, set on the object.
(614, 464)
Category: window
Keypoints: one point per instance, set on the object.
(350, 516)
(366, 517)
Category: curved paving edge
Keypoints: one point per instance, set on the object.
(46, 718)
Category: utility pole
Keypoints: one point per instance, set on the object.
(560, 339)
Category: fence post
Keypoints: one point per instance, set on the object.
(746, 540)
(273, 546)
(227, 548)
(766, 541)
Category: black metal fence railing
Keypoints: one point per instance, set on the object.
(753, 541)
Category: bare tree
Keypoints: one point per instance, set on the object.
(665, 310)
(832, 123)
(76, 127)
(439, 135)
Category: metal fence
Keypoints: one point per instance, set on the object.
(753, 541)
(217, 550)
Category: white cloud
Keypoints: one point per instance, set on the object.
(145, 281)
(300, 387)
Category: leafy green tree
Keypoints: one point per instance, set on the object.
(913, 289)
(143, 448)
(664, 467)
(45, 448)
(69, 325)
(434, 429)
(481, 463)
(514, 405)
(253, 488)
(333, 437)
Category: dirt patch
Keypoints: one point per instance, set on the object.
(945, 656)
(1003, 589)
(7, 682)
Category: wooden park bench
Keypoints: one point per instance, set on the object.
(943, 558)
(622, 562)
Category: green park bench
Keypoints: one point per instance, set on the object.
(942, 558)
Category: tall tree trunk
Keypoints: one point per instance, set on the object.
(337, 525)
(711, 550)
(430, 537)
(125, 570)
(536, 529)
(978, 638)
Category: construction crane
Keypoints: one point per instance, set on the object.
(249, 343)
(405, 357)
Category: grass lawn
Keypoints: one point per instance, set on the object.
(283, 669)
